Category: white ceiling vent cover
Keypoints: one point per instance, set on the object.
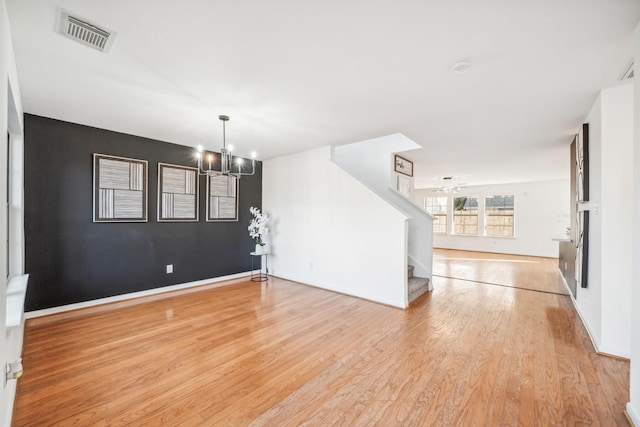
(85, 32)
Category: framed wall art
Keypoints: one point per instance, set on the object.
(119, 189)
(582, 210)
(404, 186)
(222, 198)
(177, 193)
(403, 166)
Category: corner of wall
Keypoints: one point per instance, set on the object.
(633, 407)
(347, 250)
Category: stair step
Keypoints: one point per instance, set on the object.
(410, 269)
(416, 283)
(417, 287)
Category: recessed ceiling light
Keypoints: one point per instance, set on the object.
(460, 67)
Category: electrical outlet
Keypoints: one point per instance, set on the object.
(169, 268)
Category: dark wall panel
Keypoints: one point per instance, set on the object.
(568, 250)
(70, 259)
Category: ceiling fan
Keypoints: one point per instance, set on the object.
(449, 184)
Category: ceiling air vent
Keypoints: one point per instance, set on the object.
(85, 32)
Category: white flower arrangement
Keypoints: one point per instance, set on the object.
(258, 225)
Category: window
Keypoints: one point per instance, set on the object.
(498, 215)
(437, 206)
(465, 216)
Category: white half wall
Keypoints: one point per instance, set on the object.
(541, 212)
(372, 163)
(605, 305)
(633, 407)
(329, 230)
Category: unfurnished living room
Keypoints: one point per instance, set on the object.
(243, 213)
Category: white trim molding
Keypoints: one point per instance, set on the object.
(575, 305)
(600, 349)
(633, 415)
(338, 290)
(125, 297)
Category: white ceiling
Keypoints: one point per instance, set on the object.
(294, 75)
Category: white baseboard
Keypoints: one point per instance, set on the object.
(633, 415)
(624, 353)
(10, 393)
(394, 304)
(599, 348)
(118, 298)
(595, 344)
(566, 285)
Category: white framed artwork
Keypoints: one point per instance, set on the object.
(404, 186)
(177, 193)
(119, 189)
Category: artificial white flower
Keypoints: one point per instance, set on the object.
(258, 225)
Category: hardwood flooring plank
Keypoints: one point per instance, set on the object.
(285, 354)
(526, 272)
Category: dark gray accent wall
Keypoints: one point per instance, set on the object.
(71, 259)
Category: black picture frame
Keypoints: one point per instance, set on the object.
(120, 187)
(403, 166)
(223, 195)
(178, 195)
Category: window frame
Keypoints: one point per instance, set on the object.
(513, 217)
(445, 215)
(453, 216)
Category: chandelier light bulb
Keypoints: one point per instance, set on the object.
(253, 154)
(224, 159)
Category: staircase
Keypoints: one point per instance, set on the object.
(417, 285)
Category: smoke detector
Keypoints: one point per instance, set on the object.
(460, 67)
(85, 32)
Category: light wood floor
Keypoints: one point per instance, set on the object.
(285, 354)
(535, 273)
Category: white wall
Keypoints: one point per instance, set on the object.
(541, 212)
(372, 163)
(10, 120)
(373, 155)
(330, 231)
(589, 300)
(605, 305)
(616, 218)
(633, 407)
